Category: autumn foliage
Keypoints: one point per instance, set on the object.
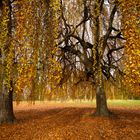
(131, 30)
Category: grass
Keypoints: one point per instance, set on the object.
(124, 103)
(132, 104)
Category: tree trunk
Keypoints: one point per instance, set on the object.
(101, 103)
(6, 98)
(6, 108)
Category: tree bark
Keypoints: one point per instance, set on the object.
(101, 103)
(6, 107)
(6, 97)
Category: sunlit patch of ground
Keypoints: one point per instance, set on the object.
(72, 121)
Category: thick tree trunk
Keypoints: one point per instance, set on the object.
(6, 98)
(6, 108)
(101, 103)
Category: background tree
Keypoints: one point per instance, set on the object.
(92, 44)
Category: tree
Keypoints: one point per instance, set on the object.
(98, 57)
(6, 95)
(23, 51)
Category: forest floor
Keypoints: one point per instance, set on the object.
(66, 121)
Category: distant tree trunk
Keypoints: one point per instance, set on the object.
(101, 102)
(98, 50)
(6, 107)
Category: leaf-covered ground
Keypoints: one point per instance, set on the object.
(66, 122)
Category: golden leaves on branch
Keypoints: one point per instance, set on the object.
(54, 67)
(131, 30)
(6, 45)
(26, 63)
(22, 56)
